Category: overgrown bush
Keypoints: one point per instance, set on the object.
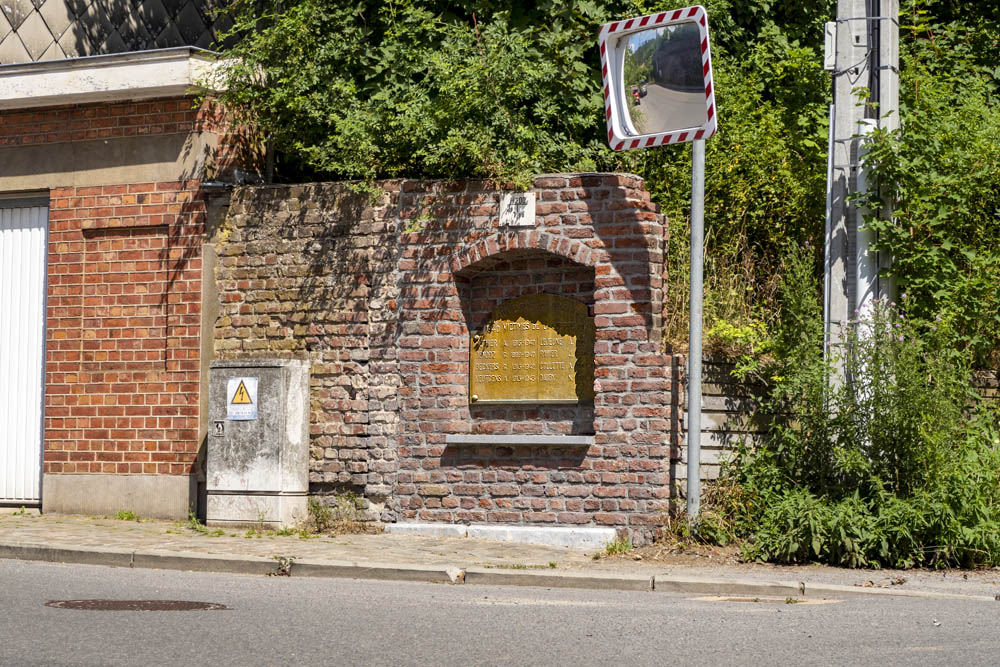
(941, 173)
(897, 466)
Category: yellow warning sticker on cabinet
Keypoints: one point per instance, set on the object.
(241, 398)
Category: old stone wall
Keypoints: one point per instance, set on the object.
(381, 295)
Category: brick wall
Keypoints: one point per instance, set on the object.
(124, 294)
(123, 120)
(381, 298)
(123, 348)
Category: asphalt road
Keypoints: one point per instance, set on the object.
(298, 621)
(663, 110)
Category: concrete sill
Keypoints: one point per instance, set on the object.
(556, 440)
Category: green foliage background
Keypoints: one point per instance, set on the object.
(898, 467)
(417, 88)
(359, 89)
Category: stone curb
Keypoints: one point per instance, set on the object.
(593, 580)
(440, 574)
(378, 571)
(838, 590)
(229, 564)
(79, 555)
(701, 586)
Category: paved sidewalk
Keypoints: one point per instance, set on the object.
(171, 545)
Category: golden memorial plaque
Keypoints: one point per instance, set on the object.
(535, 349)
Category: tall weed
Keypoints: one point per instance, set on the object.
(898, 466)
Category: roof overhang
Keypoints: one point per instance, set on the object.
(139, 75)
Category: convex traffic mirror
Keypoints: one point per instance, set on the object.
(658, 79)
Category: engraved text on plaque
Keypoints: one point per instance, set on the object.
(535, 349)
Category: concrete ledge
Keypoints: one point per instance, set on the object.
(554, 536)
(491, 576)
(564, 440)
(379, 571)
(694, 585)
(428, 529)
(81, 555)
(149, 496)
(593, 580)
(838, 590)
(122, 76)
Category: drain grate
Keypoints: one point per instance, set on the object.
(136, 605)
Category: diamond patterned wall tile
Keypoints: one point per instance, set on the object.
(12, 50)
(117, 10)
(4, 26)
(170, 36)
(135, 34)
(58, 16)
(54, 52)
(174, 7)
(17, 11)
(78, 7)
(76, 28)
(75, 43)
(190, 24)
(153, 16)
(97, 24)
(206, 41)
(113, 44)
(35, 35)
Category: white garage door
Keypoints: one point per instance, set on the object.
(23, 260)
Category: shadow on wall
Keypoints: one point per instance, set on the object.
(118, 26)
(300, 269)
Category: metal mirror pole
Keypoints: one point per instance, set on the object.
(694, 336)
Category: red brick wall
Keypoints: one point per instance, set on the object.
(124, 312)
(110, 121)
(124, 293)
(381, 298)
(598, 239)
(81, 122)
(515, 275)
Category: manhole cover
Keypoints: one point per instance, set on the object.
(135, 605)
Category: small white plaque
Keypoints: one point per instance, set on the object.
(241, 398)
(517, 209)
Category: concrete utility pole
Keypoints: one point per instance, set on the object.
(866, 42)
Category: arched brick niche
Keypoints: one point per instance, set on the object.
(594, 243)
(500, 278)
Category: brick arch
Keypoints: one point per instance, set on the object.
(500, 243)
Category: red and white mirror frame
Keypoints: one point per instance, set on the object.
(613, 40)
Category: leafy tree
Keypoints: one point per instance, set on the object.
(941, 172)
(424, 89)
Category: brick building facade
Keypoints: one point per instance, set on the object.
(144, 281)
(117, 177)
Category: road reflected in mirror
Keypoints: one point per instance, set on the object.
(664, 85)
